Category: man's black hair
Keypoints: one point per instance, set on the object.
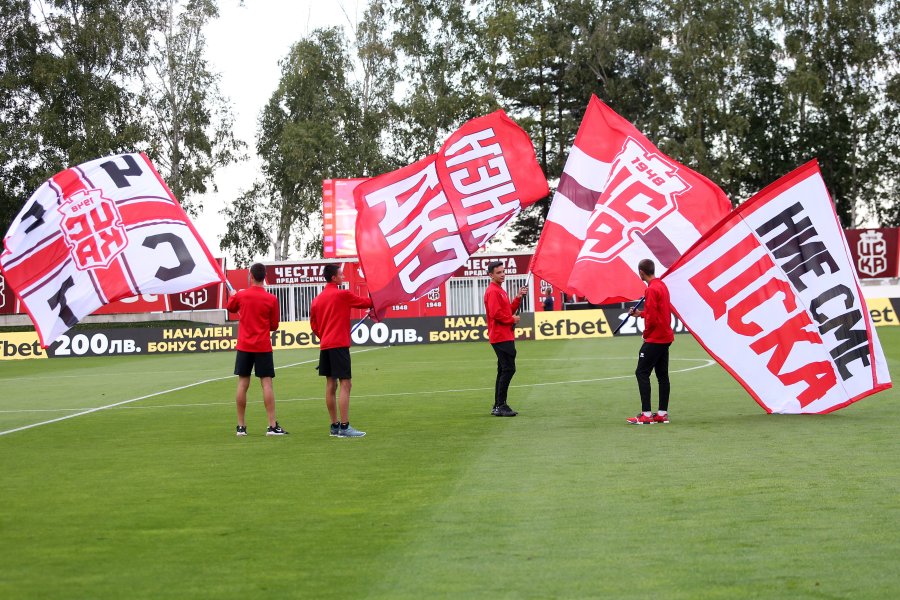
(331, 269)
(258, 272)
(493, 265)
(647, 266)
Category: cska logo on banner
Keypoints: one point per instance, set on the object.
(620, 200)
(194, 298)
(872, 251)
(93, 229)
(772, 294)
(639, 193)
(98, 232)
(417, 225)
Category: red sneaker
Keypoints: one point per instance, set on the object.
(641, 419)
(658, 418)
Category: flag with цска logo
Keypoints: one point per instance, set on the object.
(620, 200)
(97, 232)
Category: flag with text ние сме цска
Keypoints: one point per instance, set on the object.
(771, 293)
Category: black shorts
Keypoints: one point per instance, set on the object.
(260, 362)
(335, 362)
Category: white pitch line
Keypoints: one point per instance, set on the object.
(707, 363)
(183, 387)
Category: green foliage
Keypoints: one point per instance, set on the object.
(741, 90)
(191, 123)
(18, 55)
(307, 133)
(81, 79)
(63, 98)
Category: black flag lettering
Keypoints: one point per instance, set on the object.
(185, 262)
(120, 175)
(59, 299)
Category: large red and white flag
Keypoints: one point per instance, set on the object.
(620, 200)
(417, 225)
(771, 293)
(104, 230)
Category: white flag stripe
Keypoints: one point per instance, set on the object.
(681, 232)
(108, 250)
(572, 218)
(587, 170)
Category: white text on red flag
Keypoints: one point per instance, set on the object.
(417, 225)
(619, 201)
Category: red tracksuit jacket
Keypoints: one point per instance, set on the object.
(500, 322)
(329, 315)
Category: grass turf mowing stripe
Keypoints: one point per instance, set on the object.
(122, 405)
(88, 411)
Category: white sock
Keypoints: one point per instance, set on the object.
(662, 413)
(646, 414)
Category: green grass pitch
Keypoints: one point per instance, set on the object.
(157, 498)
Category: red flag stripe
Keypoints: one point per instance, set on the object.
(41, 263)
(138, 213)
(580, 196)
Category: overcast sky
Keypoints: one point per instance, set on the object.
(244, 45)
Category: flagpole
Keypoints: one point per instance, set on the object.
(358, 323)
(625, 320)
(527, 284)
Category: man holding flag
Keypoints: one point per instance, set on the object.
(329, 318)
(501, 322)
(654, 354)
(258, 316)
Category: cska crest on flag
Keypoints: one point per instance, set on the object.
(98, 232)
(620, 200)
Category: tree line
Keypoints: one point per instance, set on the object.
(81, 79)
(742, 91)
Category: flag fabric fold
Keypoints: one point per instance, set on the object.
(417, 225)
(772, 294)
(95, 233)
(620, 200)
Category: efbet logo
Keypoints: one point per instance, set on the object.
(872, 252)
(93, 229)
(640, 191)
(195, 298)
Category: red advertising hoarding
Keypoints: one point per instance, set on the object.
(8, 300)
(339, 218)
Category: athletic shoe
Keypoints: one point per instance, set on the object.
(277, 430)
(641, 419)
(241, 430)
(505, 411)
(335, 431)
(658, 418)
(495, 411)
(349, 432)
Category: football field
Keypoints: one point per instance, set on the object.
(122, 478)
